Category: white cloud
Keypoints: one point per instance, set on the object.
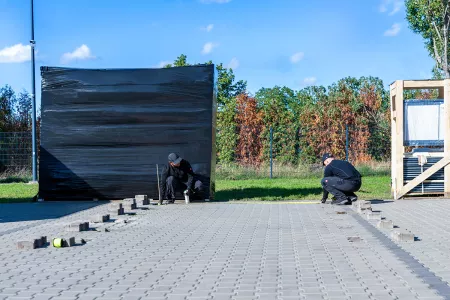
(214, 1)
(393, 31)
(309, 81)
(296, 57)
(163, 63)
(81, 53)
(208, 48)
(208, 28)
(393, 5)
(15, 54)
(233, 64)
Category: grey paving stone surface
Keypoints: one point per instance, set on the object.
(225, 251)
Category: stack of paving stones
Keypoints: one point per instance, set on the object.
(129, 204)
(397, 234)
(116, 209)
(428, 220)
(215, 251)
(142, 200)
(31, 243)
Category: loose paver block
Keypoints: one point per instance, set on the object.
(373, 215)
(402, 236)
(142, 199)
(75, 227)
(99, 218)
(385, 224)
(116, 209)
(32, 243)
(354, 239)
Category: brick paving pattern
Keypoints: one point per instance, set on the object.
(224, 251)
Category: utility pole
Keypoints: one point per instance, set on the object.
(33, 95)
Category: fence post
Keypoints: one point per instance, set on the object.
(271, 151)
(346, 142)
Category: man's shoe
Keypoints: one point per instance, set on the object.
(323, 200)
(343, 202)
(353, 198)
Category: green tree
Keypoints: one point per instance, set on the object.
(278, 105)
(431, 19)
(227, 91)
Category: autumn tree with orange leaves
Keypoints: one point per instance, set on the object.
(249, 121)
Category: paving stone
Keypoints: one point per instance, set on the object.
(402, 236)
(385, 224)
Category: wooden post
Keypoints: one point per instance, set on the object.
(398, 147)
(441, 91)
(446, 126)
(393, 89)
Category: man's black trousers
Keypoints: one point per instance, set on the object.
(174, 185)
(341, 188)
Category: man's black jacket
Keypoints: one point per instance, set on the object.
(183, 173)
(342, 169)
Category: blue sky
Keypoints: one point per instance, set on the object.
(267, 42)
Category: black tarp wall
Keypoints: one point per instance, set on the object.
(104, 131)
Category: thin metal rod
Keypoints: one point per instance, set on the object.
(33, 96)
(159, 190)
(346, 142)
(271, 152)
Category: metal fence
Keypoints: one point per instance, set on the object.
(263, 151)
(15, 151)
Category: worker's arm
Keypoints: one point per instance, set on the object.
(190, 175)
(328, 172)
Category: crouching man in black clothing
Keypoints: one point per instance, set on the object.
(179, 177)
(341, 179)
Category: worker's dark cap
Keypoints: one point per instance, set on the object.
(325, 157)
(174, 158)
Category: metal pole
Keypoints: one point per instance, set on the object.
(33, 95)
(346, 142)
(271, 151)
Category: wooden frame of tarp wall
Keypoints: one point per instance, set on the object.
(400, 189)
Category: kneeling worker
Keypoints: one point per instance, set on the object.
(179, 177)
(341, 179)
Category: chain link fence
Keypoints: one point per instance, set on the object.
(15, 152)
(286, 151)
(254, 151)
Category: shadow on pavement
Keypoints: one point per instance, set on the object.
(18, 212)
(252, 193)
(378, 201)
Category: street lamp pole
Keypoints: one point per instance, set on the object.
(33, 95)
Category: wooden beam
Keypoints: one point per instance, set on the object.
(441, 93)
(446, 127)
(419, 179)
(393, 129)
(422, 84)
(398, 148)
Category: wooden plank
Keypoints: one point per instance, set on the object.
(419, 179)
(428, 181)
(422, 84)
(429, 154)
(446, 127)
(398, 148)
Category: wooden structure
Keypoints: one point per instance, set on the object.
(401, 184)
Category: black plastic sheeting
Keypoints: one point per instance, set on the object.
(104, 131)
